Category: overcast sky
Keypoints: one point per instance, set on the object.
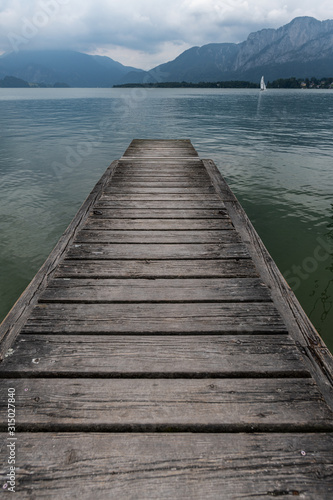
(143, 33)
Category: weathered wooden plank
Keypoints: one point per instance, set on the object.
(159, 163)
(155, 318)
(161, 213)
(170, 148)
(148, 145)
(172, 190)
(161, 169)
(152, 145)
(157, 290)
(96, 224)
(174, 466)
(126, 158)
(160, 197)
(159, 204)
(120, 184)
(179, 163)
(154, 356)
(141, 164)
(161, 143)
(150, 213)
(163, 237)
(156, 251)
(165, 183)
(165, 176)
(161, 166)
(159, 153)
(156, 269)
(147, 404)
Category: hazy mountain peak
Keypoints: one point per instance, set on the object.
(75, 68)
(302, 48)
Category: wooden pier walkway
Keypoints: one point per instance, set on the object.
(159, 354)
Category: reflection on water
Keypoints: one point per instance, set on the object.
(274, 148)
(322, 294)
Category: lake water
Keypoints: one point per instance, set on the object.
(274, 148)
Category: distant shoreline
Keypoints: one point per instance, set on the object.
(190, 85)
(282, 83)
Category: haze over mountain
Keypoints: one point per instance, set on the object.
(302, 48)
(74, 68)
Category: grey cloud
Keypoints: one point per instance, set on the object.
(146, 26)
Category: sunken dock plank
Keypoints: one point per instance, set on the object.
(158, 353)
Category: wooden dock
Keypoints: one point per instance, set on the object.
(159, 354)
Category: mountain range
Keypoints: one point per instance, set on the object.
(74, 68)
(302, 48)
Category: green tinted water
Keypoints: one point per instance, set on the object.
(274, 148)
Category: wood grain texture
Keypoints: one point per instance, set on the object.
(250, 356)
(160, 197)
(175, 466)
(160, 161)
(155, 318)
(155, 236)
(157, 268)
(158, 154)
(160, 177)
(165, 183)
(160, 204)
(96, 224)
(165, 190)
(136, 213)
(157, 290)
(162, 152)
(157, 251)
(151, 149)
(158, 404)
(161, 143)
(161, 170)
(161, 165)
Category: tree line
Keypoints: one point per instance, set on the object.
(281, 83)
(298, 83)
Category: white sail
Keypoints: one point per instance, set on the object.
(262, 84)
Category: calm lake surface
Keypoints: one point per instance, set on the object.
(274, 148)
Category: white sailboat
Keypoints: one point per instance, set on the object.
(262, 84)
